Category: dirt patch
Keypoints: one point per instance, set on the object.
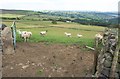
(52, 60)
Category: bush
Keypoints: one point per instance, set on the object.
(54, 22)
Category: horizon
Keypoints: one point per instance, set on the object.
(61, 5)
(63, 10)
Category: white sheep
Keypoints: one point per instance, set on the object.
(68, 34)
(99, 37)
(30, 33)
(21, 32)
(43, 33)
(78, 35)
(26, 35)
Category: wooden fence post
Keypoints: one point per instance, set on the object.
(13, 27)
(95, 57)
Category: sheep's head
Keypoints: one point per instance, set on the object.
(25, 32)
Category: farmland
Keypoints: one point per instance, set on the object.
(11, 15)
(56, 32)
(52, 55)
(38, 21)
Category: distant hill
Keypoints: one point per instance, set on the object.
(5, 11)
(90, 18)
(80, 14)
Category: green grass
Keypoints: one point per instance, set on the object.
(11, 15)
(55, 32)
(56, 35)
(75, 26)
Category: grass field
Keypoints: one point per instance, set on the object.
(55, 32)
(11, 15)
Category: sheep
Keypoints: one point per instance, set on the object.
(26, 35)
(43, 33)
(30, 33)
(21, 32)
(99, 37)
(78, 35)
(68, 34)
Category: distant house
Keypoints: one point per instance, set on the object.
(68, 21)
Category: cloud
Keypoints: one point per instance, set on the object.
(89, 5)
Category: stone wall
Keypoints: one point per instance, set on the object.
(0, 56)
(7, 39)
(107, 59)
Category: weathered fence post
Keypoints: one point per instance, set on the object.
(13, 27)
(95, 56)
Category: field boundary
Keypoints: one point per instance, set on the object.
(107, 57)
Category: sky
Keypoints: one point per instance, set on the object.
(79, 5)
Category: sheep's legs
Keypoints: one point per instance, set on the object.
(25, 39)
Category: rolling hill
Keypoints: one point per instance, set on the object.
(82, 17)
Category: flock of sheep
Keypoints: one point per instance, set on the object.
(69, 35)
(27, 35)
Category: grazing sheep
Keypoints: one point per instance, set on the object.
(21, 32)
(68, 34)
(99, 37)
(43, 33)
(78, 35)
(30, 33)
(26, 35)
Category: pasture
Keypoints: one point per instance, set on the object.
(56, 34)
(52, 60)
(11, 15)
(52, 55)
(46, 56)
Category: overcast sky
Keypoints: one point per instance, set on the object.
(81, 5)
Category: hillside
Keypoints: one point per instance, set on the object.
(87, 18)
